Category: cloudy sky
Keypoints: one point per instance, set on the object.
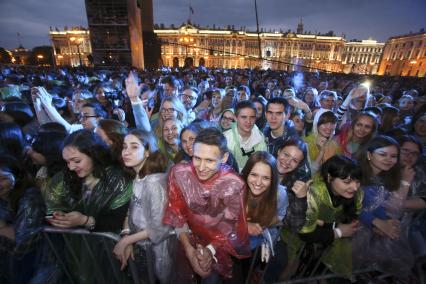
(360, 19)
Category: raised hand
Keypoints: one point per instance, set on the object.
(45, 97)
(133, 89)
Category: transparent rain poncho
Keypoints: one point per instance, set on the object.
(213, 210)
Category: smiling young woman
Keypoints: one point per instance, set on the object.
(266, 202)
(355, 134)
(334, 204)
(321, 145)
(382, 239)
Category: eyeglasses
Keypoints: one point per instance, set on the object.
(167, 110)
(285, 155)
(84, 117)
(187, 97)
(408, 152)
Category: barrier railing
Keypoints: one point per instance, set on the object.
(87, 257)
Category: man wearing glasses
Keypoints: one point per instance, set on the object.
(244, 138)
(189, 99)
(279, 128)
(89, 116)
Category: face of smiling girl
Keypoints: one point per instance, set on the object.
(259, 178)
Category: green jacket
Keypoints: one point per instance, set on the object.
(234, 144)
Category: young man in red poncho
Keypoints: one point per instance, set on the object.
(206, 208)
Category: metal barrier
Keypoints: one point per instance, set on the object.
(324, 274)
(94, 255)
(87, 257)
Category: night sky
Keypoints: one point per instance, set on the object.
(358, 19)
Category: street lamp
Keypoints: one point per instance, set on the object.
(39, 58)
(78, 41)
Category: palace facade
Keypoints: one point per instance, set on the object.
(190, 45)
(404, 55)
(362, 57)
(71, 46)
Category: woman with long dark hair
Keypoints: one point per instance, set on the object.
(144, 220)
(355, 134)
(334, 204)
(260, 103)
(266, 202)
(294, 175)
(46, 153)
(90, 192)
(187, 138)
(12, 141)
(413, 161)
(112, 132)
(266, 199)
(382, 239)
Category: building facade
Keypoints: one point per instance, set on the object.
(404, 56)
(362, 57)
(190, 45)
(71, 46)
(20, 55)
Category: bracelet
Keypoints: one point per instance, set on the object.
(87, 220)
(338, 232)
(405, 183)
(125, 232)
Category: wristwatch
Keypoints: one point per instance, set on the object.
(90, 225)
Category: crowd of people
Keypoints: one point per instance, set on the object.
(231, 175)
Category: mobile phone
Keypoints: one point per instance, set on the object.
(48, 216)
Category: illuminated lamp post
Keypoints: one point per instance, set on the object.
(187, 42)
(39, 58)
(60, 58)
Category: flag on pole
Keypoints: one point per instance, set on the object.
(191, 10)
